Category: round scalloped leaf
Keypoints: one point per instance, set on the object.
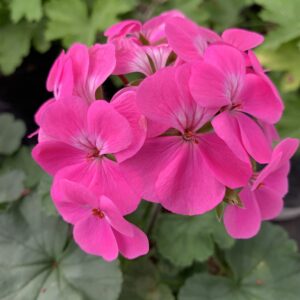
(11, 133)
(142, 282)
(38, 260)
(11, 185)
(266, 267)
(184, 239)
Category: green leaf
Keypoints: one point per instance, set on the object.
(29, 9)
(11, 55)
(38, 37)
(287, 59)
(142, 282)
(224, 14)
(11, 185)
(266, 267)
(289, 125)
(71, 21)
(43, 191)
(106, 13)
(286, 15)
(11, 133)
(39, 262)
(183, 239)
(23, 161)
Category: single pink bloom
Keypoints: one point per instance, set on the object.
(83, 141)
(99, 227)
(262, 198)
(81, 70)
(189, 40)
(132, 57)
(220, 81)
(153, 31)
(123, 29)
(141, 47)
(183, 169)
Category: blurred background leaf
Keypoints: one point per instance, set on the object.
(265, 267)
(11, 133)
(31, 10)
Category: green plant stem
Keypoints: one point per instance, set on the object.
(153, 215)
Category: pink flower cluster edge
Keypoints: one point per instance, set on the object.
(196, 130)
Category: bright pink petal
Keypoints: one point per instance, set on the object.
(287, 148)
(126, 105)
(227, 128)
(102, 62)
(132, 57)
(157, 56)
(187, 39)
(258, 69)
(259, 100)
(269, 201)
(186, 186)
(277, 180)
(65, 119)
(114, 217)
(154, 29)
(104, 177)
(108, 129)
(42, 109)
(79, 55)
(161, 99)
(254, 139)
(195, 116)
(279, 165)
(243, 223)
(133, 246)
(208, 85)
(128, 56)
(231, 63)
(73, 201)
(222, 162)
(242, 39)
(60, 80)
(52, 156)
(96, 237)
(122, 28)
(270, 132)
(147, 164)
(55, 71)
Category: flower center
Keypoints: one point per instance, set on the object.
(98, 213)
(236, 106)
(93, 154)
(190, 136)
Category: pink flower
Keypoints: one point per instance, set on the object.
(99, 228)
(141, 47)
(220, 81)
(83, 143)
(189, 41)
(152, 31)
(262, 198)
(132, 57)
(183, 168)
(81, 70)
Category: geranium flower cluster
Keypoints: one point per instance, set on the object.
(195, 131)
